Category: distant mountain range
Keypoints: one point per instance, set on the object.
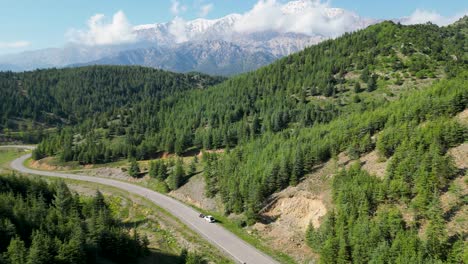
(209, 46)
(216, 57)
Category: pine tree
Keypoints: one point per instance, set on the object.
(134, 170)
(255, 125)
(372, 83)
(283, 175)
(176, 178)
(192, 167)
(357, 87)
(458, 253)
(298, 168)
(209, 173)
(161, 170)
(343, 254)
(63, 199)
(365, 74)
(41, 248)
(272, 179)
(329, 251)
(16, 252)
(153, 169)
(72, 252)
(436, 243)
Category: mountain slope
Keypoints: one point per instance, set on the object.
(71, 95)
(60, 57)
(214, 57)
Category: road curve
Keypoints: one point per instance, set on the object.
(235, 247)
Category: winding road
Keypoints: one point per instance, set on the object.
(234, 247)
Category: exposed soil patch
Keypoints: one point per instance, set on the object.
(453, 201)
(217, 151)
(352, 76)
(89, 170)
(113, 173)
(463, 117)
(289, 212)
(193, 192)
(408, 214)
(46, 164)
(458, 223)
(344, 160)
(372, 163)
(460, 156)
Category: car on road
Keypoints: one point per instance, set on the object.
(208, 218)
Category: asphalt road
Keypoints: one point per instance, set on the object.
(229, 243)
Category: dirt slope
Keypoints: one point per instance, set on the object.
(289, 212)
(193, 192)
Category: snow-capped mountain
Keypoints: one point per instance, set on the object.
(216, 57)
(246, 41)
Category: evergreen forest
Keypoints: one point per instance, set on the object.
(43, 223)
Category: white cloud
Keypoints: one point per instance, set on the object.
(305, 16)
(309, 17)
(14, 44)
(420, 16)
(177, 29)
(205, 10)
(117, 31)
(177, 8)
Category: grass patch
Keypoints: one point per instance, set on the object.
(155, 185)
(7, 155)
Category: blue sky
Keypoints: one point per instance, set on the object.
(33, 24)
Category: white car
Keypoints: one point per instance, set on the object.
(209, 219)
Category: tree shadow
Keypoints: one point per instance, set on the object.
(187, 177)
(455, 208)
(267, 219)
(133, 224)
(139, 175)
(191, 152)
(156, 256)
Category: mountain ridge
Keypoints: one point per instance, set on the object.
(264, 44)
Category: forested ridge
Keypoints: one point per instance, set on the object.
(390, 88)
(70, 96)
(355, 72)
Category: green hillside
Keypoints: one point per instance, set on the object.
(354, 73)
(45, 98)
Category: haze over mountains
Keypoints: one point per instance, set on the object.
(228, 45)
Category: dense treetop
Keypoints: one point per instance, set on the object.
(44, 223)
(74, 94)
